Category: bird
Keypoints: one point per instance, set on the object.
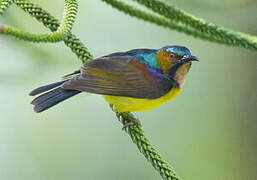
(135, 80)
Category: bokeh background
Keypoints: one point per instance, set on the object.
(208, 132)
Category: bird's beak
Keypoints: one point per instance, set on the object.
(193, 58)
(189, 58)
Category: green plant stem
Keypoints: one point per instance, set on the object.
(159, 20)
(151, 154)
(52, 23)
(4, 4)
(229, 37)
(60, 34)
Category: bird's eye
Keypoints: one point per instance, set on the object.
(172, 55)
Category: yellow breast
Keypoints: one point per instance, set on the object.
(125, 104)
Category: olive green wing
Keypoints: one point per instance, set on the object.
(120, 76)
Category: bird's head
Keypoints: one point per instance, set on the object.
(175, 61)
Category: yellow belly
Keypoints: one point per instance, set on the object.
(125, 104)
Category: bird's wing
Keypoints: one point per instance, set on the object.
(120, 76)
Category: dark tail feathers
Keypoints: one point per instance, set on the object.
(51, 98)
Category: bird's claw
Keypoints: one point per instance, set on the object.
(132, 122)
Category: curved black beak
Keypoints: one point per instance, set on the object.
(187, 59)
(193, 58)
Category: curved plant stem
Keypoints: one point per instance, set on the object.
(229, 37)
(52, 23)
(4, 4)
(159, 20)
(60, 34)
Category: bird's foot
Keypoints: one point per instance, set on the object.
(127, 118)
(133, 122)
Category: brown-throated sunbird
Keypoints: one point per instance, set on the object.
(136, 80)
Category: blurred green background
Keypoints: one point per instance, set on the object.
(208, 132)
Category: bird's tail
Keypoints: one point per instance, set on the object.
(51, 98)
